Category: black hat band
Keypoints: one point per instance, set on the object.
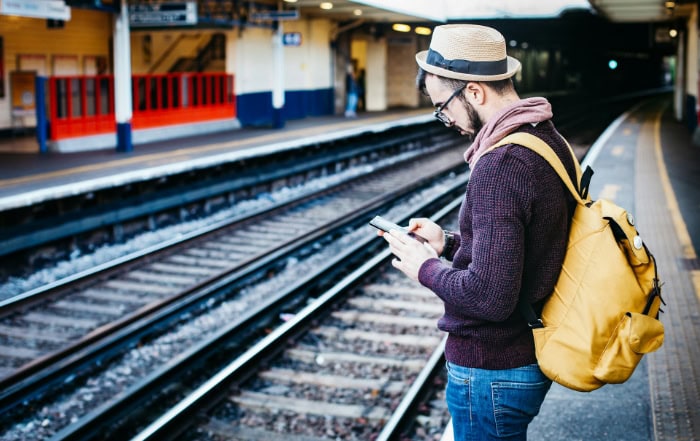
(468, 67)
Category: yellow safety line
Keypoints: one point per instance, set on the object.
(170, 156)
(672, 203)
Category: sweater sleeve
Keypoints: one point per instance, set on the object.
(500, 194)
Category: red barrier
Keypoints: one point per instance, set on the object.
(80, 106)
(84, 105)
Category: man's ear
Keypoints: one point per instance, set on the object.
(475, 93)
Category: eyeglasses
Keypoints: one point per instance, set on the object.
(438, 112)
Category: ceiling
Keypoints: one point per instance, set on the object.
(451, 10)
(642, 10)
(344, 10)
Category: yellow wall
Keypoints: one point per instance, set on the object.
(87, 34)
(401, 69)
(376, 79)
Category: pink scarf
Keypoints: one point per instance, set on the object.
(528, 110)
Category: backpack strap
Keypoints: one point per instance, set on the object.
(540, 147)
(578, 190)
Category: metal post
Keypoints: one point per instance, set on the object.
(122, 79)
(42, 126)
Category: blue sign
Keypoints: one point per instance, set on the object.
(291, 39)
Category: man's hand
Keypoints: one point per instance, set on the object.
(430, 231)
(410, 253)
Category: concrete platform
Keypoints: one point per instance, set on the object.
(27, 179)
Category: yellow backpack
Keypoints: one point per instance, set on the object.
(602, 316)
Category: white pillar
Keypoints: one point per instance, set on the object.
(376, 75)
(122, 79)
(679, 86)
(278, 80)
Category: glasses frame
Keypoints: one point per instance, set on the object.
(438, 111)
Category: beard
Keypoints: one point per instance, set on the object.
(474, 121)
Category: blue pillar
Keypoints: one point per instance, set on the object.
(42, 126)
(124, 143)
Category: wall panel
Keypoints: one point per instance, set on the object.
(87, 34)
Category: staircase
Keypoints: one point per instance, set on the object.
(210, 58)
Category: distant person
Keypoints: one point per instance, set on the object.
(361, 103)
(513, 229)
(351, 89)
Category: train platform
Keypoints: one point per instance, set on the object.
(646, 163)
(30, 178)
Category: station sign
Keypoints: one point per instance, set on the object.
(54, 9)
(291, 39)
(163, 14)
(291, 14)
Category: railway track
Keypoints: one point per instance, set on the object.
(344, 377)
(45, 235)
(306, 220)
(106, 299)
(359, 363)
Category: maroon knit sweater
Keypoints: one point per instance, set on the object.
(513, 227)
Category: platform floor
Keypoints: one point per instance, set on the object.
(27, 178)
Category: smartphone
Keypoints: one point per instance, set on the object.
(386, 225)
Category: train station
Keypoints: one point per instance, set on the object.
(186, 186)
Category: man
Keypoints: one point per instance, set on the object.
(513, 228)
(351, 89)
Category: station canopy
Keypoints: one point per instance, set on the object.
(444, 10)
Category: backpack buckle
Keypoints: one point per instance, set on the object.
(537, 324)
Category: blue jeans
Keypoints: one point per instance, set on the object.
(494, 404)
(351, 106)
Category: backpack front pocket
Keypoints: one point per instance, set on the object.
(635, 335)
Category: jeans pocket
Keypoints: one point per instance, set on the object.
(515, 404)
(457, 373)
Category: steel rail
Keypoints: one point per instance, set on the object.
(139, 329)
(93, 424)
(29, 297)
(30, 375)
(179, 417)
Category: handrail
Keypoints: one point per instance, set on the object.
(170, 49)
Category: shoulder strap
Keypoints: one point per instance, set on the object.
(541, 148)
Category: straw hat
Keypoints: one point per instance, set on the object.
(468, 52)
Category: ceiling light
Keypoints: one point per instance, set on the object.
(673, 33)
(326, 5)
(357, 12)
(400, 27)
(421, 30)
(290, 1)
